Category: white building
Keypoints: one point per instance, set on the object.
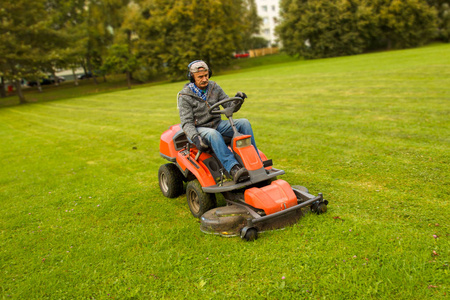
(269, 11)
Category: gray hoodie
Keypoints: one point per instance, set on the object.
(194, 110)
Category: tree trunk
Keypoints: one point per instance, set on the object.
(89, 45)
(129, 73)
(19, 92)
(3, 88)
(18, 86)
(389, 44)
(84, 67)
(129, 79)
(75, 78)
(54, 77)
(90, 68)
(39, 85)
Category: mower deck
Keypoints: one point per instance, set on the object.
(239, 218)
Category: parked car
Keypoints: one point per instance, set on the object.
(241, 55)
(59, 78)
(46, 81)
(85, 76)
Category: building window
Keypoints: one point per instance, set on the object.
(273, 8)
(264, 8)
(265, 20)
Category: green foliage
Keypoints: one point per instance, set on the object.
(405, 24)
(119, 60)
(174, 33)
(322, 28)
(162, 35)
(442, 8)
(82, 215)
(68, 18)
(250, 15)
(257, 42)
(27, 40)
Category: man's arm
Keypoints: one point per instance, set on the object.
(187, 118)
(236, 103)
(222, 94)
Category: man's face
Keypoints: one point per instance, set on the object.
(201, 79)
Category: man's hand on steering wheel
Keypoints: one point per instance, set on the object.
(239, 104)
(241, 95)
(228, 110)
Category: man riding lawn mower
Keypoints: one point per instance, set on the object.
(220, 156)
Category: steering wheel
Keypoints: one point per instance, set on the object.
(228, 111)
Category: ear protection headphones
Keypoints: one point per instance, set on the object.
(189, 74)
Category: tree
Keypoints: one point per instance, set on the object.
(442, 8)
(121, 55)
(252, 27)
(2, 87)
(405, 23)
(175, 32)
(68, 17)
(323, 28)
(26, 40)
(120, 60)
(257, 42)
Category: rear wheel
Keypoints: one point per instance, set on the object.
(198, 201)
(170, 180)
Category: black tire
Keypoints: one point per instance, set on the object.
(249, 234)
(198, 201)
(170, 180)
(322, 208)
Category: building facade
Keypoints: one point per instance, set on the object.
(269, 11)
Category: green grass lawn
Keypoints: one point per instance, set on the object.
(82, 216)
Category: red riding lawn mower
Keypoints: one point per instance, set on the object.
(260, 203)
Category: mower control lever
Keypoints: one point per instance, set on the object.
(198, 155)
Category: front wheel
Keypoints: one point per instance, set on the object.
(170, 180)
(198, 201)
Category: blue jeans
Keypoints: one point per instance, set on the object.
(214, 139)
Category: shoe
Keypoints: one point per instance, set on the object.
(239, 174)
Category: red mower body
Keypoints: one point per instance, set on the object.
(276, 196)
(272, 198)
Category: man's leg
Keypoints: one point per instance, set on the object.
(216, 142)
(242, 125)
(226, 157)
